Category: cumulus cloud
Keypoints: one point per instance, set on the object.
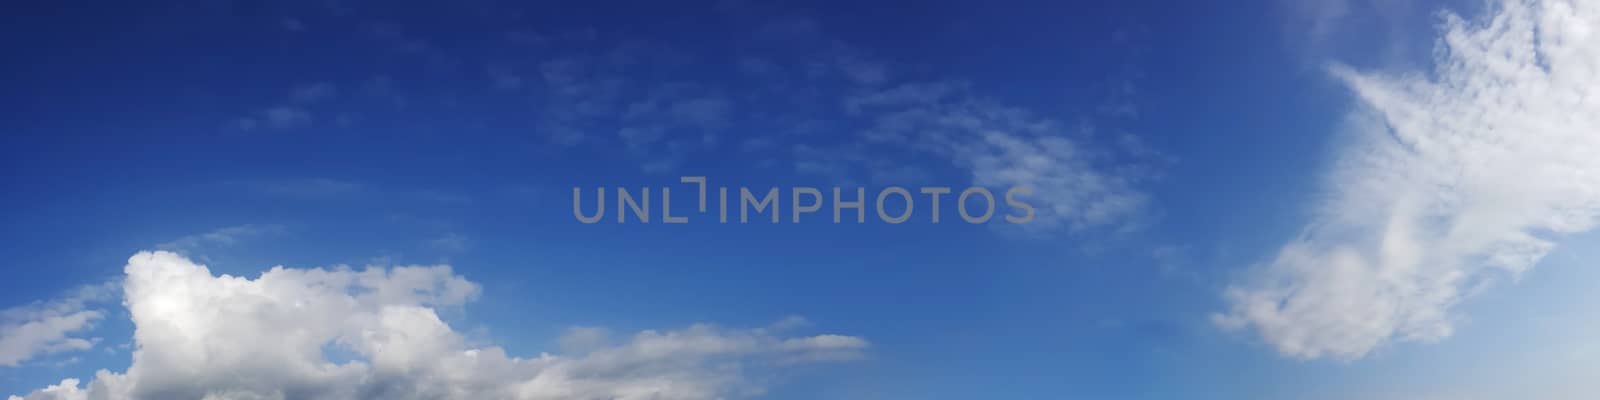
(375, 333)
(51, 327)
(1453, 178)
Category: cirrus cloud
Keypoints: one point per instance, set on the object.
(1475, 169)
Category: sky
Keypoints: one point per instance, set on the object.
(1321, 200)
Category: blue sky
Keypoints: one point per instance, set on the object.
(1344, 199)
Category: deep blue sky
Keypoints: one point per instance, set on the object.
(422, 133)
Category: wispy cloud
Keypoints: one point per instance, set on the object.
(1079, 182)
(312, 187)
(818, 105)
(1318, 28)
(313, 92)
(1453, 178)
(293, 111)
(450, 242)
(276, 117)
(54, 326)
(293, 25)
(221, 237)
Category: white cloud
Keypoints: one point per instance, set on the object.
(863, 72)
(1316, 28)
(313, 92)
(1315, 19)
(221, 237)
(50, 327)
(577, 93)
(284, 117)
(277, 117)
(705, 112)
(673, 121)
(450, 242)
(1453, 176)
(294, 112)
(1077, 183)
(203, 336)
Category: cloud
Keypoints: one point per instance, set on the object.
(503, 79)
(293, 112)
(790, 28)
(1453, 178)
(578, 92)
(276, 117)
(790, 82)
(51, 327)
(450, 242)
(758, 67)
(863, 72)
(376, 334)
(1077, 182)
(705, 112)
(293, 25)
(221, 237)
(284, 117)
(1316, 28)
(675, 119)
(1315, 19)
(313, 187)
(313, 92)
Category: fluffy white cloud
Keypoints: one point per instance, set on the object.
(1454, 175)
(375, 334)
(50, 327)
